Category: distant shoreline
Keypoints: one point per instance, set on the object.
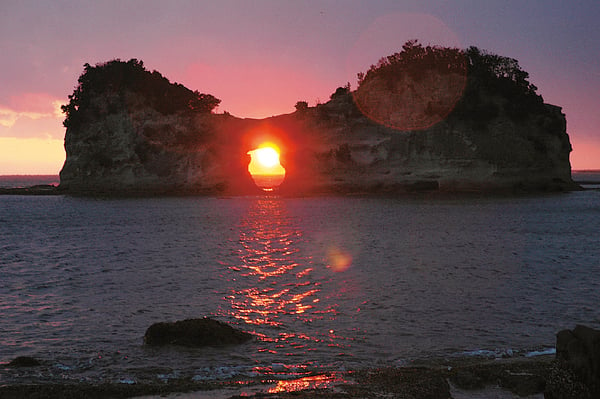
(27, 181)
(49, 184)
(586, 178)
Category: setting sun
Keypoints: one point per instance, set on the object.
(265, 168)
(267, 157)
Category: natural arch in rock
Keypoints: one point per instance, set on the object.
(265, 167)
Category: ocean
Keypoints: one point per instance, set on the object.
(323, 283)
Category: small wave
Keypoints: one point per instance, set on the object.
(271, 372)
(505, 353)
(223, 373)
(542, 352)
(487, 353)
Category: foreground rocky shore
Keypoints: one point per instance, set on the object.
(574, 373)
(522, 377)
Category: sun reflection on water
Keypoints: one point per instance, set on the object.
(320, 381)
(276, 283)
(286, 289)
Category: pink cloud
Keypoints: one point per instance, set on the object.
(35, 103)
(31, 115)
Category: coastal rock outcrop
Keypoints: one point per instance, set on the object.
(576, 373)
(24, 361)
(194, 333)
(424, 119)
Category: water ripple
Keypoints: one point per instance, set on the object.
(322, 283)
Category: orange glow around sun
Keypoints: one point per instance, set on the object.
(265, 168)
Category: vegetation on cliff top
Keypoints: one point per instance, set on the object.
(414, 59)
(484, 72)
(116, 78)
(487, 75)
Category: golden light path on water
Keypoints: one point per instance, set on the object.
(275, 285)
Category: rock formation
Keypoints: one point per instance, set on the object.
(428, 118)
(576, 374)
(24, 361)
(194, 333)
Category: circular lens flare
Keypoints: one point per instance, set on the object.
(424, 93)
(338, 259)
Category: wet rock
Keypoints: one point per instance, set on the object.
(194, 333)
(562, 383)
(465, 379)
(576, 373)
(24, 361)
(523, 384)
(520, 377)
(405, 383)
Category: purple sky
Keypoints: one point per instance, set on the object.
(261, 57)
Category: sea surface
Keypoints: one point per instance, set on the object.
(323, 283)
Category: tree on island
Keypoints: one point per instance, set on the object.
(414, 59)
(114, 79)
(421, 85)
(301, 106)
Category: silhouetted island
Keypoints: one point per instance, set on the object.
(424, 119)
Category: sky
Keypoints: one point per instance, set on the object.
(262, 56)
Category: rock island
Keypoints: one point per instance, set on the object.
(424, 119)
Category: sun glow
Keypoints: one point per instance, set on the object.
(267, 156)
(265, 168)
(34, 156)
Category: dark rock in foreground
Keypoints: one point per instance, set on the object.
(576, 373)
(414, 382)
(24, 361)
(522, 377)
(194, 333)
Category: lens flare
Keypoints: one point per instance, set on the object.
(338, 259)
(422, 94)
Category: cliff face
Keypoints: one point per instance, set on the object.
(488, 139)
(358, 155)
(133, 132)
(137, 149)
